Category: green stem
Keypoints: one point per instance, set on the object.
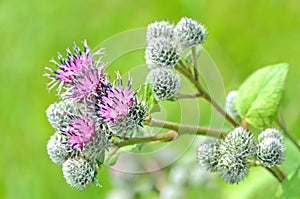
(289, 135)
(274, 174)
(195, 63)
(281, 172)
(278, 173)
(165, 137)
(177, 129)
(205, 94)
(187, 129)
(111, 153)
(188, 96)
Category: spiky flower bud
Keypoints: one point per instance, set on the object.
(270, 133)
(232, 169)
(208, 155)
(162, 52)
(159, 29)
(229, 105)
(165, 83)
(78, 172)
(189, 32)
(270, 151)
(238, 142)
(59, 112)
(57, 150)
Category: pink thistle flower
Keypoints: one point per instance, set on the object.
(116, 103)
(88, 85)
(70, 67)
(80, 131)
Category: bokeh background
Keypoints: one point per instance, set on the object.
(243, 36)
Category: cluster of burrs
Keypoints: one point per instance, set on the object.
(232, 155)
(91, 110)
(165, 44)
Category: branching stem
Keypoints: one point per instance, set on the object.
(165, 137)
(205, 94)
(187, 129)
(177, 129)
(289, 135)
(195, 63)
(188, 95)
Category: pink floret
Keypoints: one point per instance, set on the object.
(90, 83)
(80, 132)
(116, 103)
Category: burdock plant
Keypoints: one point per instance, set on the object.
(95, 117)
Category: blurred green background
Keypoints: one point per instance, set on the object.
(243, 36)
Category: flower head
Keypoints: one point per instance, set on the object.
(233, 169)
(238, 143)
(229, 105)
(57, 150)
(189, 32)
(116, 103)
(159, 29)
(270, 148)
(165, 83)
(80, 131)
(270, 133)
(89, 84)
(59, 113)
(208, 155)
(68, 68)
(162, 52)
(78, 172)
(121, 109)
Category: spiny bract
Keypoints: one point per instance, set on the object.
(238, 142)
(59, 113)
(159, 29)
(270, 133)
(162, 52)
(208, 155)
(270, 152)
(78, 172)
(57, 149)
(232, 169)
(165, 83)
(189, 32)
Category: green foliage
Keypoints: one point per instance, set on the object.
(259, 96)
(290, 186)
(147, 95)
(100, 160)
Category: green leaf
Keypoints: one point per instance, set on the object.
(100, 160)
(290, 186)
(147, 95)
(259, 96)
